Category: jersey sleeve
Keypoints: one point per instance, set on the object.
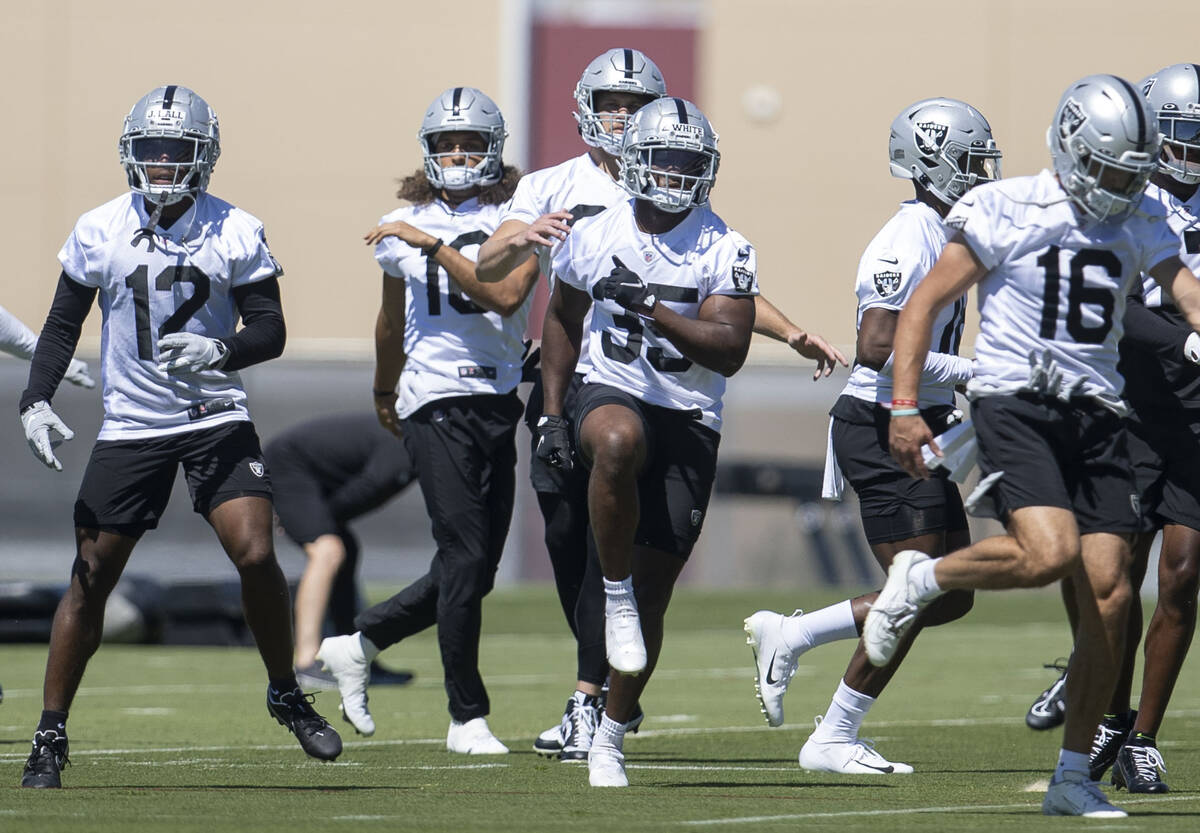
(257, 263)
(974, 217)
(736, 271)
(73, 257)
(15, 338)
(1159, 242)
(565, 264)
(525, 204)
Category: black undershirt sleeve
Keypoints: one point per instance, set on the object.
(263, 333)
(58, 339)
(1151, 331)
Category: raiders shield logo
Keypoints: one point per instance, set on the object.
(1072, 119)
(257, 469)
(697, 516)
(886, 283)
(743, 279)
(930, 136)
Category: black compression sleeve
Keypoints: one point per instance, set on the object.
(263, 333)
(1151, 331)
(56, 344)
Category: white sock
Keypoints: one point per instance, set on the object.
(828, 624)
(618, 592)
(1069, 761)
(844, 716)
(609, 733)
(923, 580)
(369, 649)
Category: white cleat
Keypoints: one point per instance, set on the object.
(623, 637)
(857, 758)
(473, 738)
(894, 611)
(343, 657)
(550, 742)
(775, 662)
(1074, 794)
(606, 766)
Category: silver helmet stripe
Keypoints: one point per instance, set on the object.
(1135, 100)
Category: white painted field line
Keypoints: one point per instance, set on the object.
(908, 811)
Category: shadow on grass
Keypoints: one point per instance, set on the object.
(873, 784)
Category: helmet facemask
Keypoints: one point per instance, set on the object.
(598, 128)
(1104, 187)
(1180, 157)
(478, 168)
(674, 178)
(165, 169)
(971, 166)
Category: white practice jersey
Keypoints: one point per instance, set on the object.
(1056, 283)
(698, 258)
(901, 254)
(453, 346)
(578, 186)
(177, 280)
(1184, 219)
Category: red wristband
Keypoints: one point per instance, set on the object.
(904, 403)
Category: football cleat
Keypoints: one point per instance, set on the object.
(49, 756)
(1050, 708)
(774, 660)
(606, 766)
(549, 743)
(1074, 794)
(1137, 768)
(857, 758)
(581, 726)
(623, 636)
(294, 710)
(895, 610)
(343, 657)
(473, 738)
(1107, 742)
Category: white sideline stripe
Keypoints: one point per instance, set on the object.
(908, 811)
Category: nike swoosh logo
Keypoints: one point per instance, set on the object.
(770, 668)
(884, 769)
(890, 259)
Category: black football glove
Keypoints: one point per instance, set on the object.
(554, 442)
(627, 288)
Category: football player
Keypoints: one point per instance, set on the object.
(674, 295)
(325, 473)
(945, 147)
(1159, 353)
(1055, 256)
(545, 206)
(454, 346)
(18, 340)
(174, 268)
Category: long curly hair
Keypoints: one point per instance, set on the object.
(415, 188)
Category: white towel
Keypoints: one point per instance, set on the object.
(833, 483)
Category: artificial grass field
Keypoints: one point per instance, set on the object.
(178, 739)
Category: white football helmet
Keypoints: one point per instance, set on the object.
(945, 146)
(620, 70)
(670, 155)
(169, 144)
(463, 109)
(1174, 96)
(1105, 143)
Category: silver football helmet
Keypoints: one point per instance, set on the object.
(1174, 96)
(620, 70)
(461, 109)
(669, 155)
(170, 144)
(945, 146)
(1104, 141)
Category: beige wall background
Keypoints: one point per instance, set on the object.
(319, 104)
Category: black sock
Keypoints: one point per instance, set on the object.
(284, 684)
(53, 721)
(1141, 738)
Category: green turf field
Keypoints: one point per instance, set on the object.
(178, 739)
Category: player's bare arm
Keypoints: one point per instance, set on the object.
(516, 241)
(389, 352)
(718, 338)
(562, 333)
(956, 271)
(1183, 286)
(770, 321)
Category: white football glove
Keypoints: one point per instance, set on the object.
(39, 421)
(1047, 378)
(1191, 348)
(77, 374)
(189, 353)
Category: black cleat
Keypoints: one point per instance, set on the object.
(294, 710)
(1138, 766)
(584, 718)
(49, 756)
(1050, 708)
(549, 744)
(1109, 738)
